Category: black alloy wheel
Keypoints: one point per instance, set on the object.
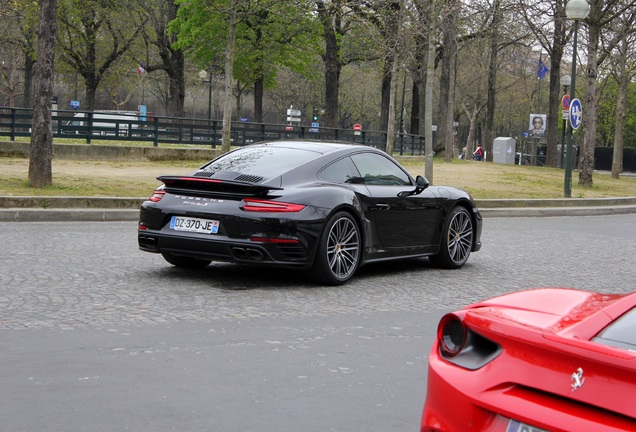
(338, 253)
(457, 240)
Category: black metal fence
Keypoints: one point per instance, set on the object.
(131, 126)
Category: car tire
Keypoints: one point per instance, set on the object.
(456, 240)
(338, 252)
(185, 262)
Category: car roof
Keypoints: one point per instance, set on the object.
(319, 146)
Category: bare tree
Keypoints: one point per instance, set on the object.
(623, 70)
(18, 22)
(40, 162)
(450, 17)
(93, 36)
(602, 13)
(171, 60)
(540, 17)
(390, 130)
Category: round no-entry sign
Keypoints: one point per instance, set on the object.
(576, 113)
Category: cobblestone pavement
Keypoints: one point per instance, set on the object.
(91, 275)
(100, 336)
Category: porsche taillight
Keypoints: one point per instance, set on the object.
(257, 205)
(157, 195)
(451, 335)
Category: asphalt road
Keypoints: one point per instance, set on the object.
(98, 336)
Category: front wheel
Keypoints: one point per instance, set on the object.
(185, 262)
(457, 240)
(338, 251)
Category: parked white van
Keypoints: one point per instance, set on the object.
(104, 122)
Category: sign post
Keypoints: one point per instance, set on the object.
(576, 118)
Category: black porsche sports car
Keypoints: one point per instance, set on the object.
(325, 208)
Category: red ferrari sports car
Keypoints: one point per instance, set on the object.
(550, 359)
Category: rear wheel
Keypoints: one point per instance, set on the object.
(457, 240)
(338, 252)
(185, 262)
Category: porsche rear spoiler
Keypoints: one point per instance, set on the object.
(201, 185)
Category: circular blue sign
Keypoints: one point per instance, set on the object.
(576, 113)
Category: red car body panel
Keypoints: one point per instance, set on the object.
(544, 337)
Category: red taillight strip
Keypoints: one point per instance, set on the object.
(255, 205)
(157, 195)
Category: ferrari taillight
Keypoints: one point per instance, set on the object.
(256, 205)
(157, 195)
(451, 335)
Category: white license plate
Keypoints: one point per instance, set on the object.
(206, 226)
(517, 426)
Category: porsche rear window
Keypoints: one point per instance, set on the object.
(262, 161)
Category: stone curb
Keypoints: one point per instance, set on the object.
(132, 214)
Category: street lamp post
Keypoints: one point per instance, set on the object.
(565, 83)
(576, 10)
(203, 75)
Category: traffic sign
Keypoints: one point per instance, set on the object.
(565, 102)
(576, 113)
(357, 127)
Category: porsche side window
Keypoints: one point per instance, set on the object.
(341, 171)
(378, 170)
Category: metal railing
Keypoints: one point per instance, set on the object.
(122, 126)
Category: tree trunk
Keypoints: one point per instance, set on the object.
(176, 74)
(447, 81)
(428, 103)
(258, 100)
(229, 61)
(492, 82)
(619, 128)
(554, 100)
(386, 92)
(586, 154)
(29, 67)
(332, 78)
(40, 169)
(623, 77)
(390, 130)
(415, 110)
(395, 58)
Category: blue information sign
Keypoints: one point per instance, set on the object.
(576, 113)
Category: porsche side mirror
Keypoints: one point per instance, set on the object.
(420, 184)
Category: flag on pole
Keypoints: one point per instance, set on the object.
(543, 69)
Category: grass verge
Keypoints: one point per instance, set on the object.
(483, 180)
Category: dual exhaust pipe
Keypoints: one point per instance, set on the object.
(248, 254)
